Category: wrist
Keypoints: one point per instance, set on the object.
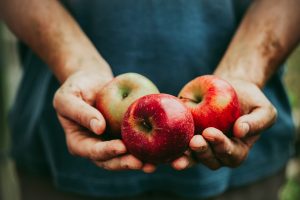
(248, 68)
(238, 74)
(94, 66)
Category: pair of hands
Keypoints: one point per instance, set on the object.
(74, 102)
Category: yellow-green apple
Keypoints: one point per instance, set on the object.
(212, 101)
(157, 128)
(116, 96)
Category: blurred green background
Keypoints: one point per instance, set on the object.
(292, 81)
(291, 190)
(10, 74)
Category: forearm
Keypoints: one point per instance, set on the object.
(54, 35)
(267, 34)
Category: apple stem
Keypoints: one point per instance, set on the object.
(146, 124)
(198, 100)
(125, 94)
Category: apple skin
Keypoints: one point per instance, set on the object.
(157, 128)
(213, 102)
(117, 95)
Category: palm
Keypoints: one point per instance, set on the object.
(214, 149)
(74, 103)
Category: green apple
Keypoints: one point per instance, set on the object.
(116, 96)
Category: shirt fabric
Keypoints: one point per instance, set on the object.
(170, 42)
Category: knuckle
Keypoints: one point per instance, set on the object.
(109, 146)
(113, 148)
(112, 152)
(69, 145)
(274, 112)
(99, 164)
(108, 149)
(127, 162)
(125, 165)
(244, 157)
(79, 117)
(257, 127)
(103, 165)
(106, 166)
(270, 108)
(94, 153)
(71, 149)
(56, 98)
(98, 152)
(227, 151)
(104, 151)
(109, 166)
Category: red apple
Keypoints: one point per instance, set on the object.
(116, 96)
(157, 128)
(212, 101)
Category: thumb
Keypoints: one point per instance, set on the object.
(256, 121)
(76, 109)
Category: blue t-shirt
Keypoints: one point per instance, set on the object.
(170, 42)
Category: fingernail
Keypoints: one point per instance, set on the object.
(197, 144)
(120, 149)
(148, 168)
(211, 134)
(244, 128)
(95, 125)
(182, 163)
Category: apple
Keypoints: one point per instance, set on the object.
(212, 101)
(116, 96)
(157, 128)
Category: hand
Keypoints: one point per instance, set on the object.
(214, 149)
(82, 123)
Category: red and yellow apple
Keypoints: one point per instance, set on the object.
(116, 96)
(212, 101)
(157, 128)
